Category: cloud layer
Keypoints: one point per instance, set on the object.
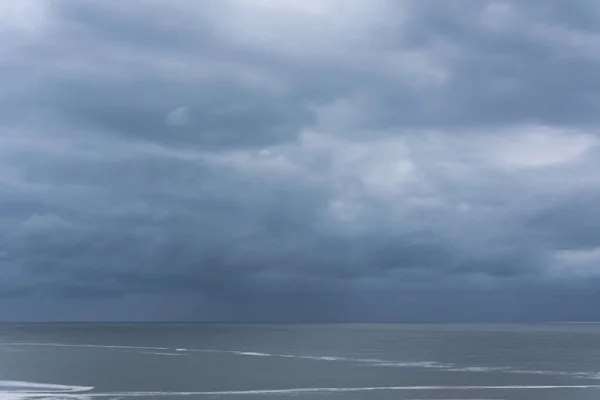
(299, 160)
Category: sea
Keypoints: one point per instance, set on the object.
(338, 361)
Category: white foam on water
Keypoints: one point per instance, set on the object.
(251, 353)
(298, 391)
(414, 364)
(117, 396)
(363, 361)
(163, 354)
(484, 369)
(511, 370)
(408, 364)
(481, 369)
(425, 364)
(21, 390)
(100, 346)
(43, 396)
(373, 362)
(30, 386)
(404, 364)
(324, 358)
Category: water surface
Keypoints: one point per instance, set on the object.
(388, 361)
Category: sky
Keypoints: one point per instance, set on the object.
(300, 160)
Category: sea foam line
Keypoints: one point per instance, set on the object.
(116, 396)
(29, 387)
(101, 346)
(297, 391)
(156, 353)
(364, 361)
(425, 364)
(21, 390)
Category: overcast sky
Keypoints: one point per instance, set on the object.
(300, 160)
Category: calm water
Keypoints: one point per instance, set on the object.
(304, 362)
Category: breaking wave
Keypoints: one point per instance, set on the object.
(17, 390)
(22, 390)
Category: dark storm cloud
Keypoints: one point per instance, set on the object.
(566, 224)
(298, 160)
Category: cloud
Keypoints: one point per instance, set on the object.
(179, 116)
(298, 160)
(541, 147)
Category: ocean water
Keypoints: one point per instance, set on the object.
(388, 361)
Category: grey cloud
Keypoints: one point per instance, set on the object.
(570, 222)
(412, 153)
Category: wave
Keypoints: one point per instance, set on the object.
(345, 390)
(22, 390)
(162, 354)
(33, 386)
(409, 364)
(371, 361)
(321, 390)
(251, 353)
(367, 362)
(100, 346)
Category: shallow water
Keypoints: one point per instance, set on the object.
(198, 361)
